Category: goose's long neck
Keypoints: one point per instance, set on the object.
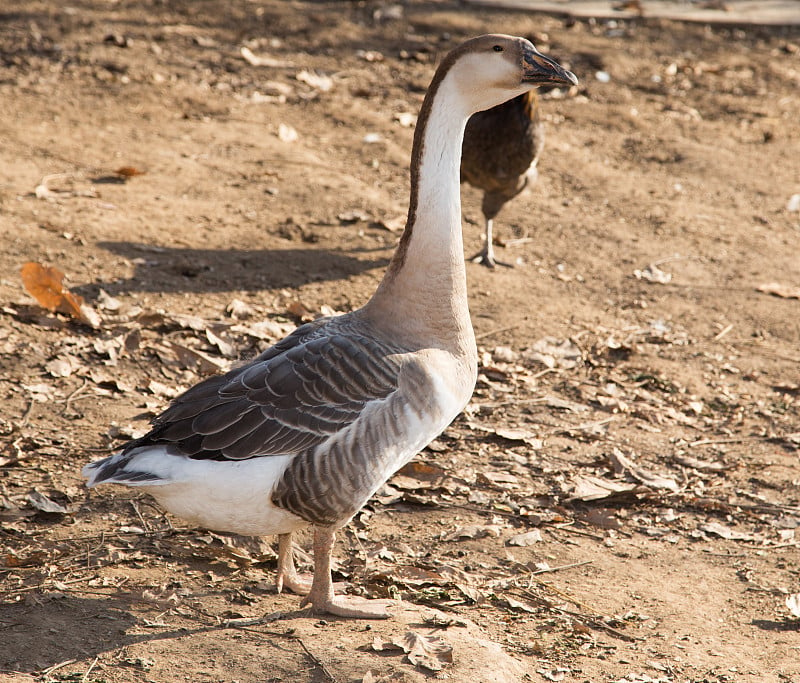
(424, 289)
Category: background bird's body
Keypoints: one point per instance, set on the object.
(500, 152)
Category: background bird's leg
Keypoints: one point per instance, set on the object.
(287, 573)
(486, 255)
(322, 598)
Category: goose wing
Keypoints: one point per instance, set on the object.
(292, 397)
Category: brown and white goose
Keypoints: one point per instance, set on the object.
(306, 432)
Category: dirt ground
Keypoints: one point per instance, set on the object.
(620, 500)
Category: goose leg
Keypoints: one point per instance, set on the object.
(288, 576)
(321, 597)
(486, 255)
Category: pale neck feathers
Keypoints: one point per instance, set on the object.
(424, 292)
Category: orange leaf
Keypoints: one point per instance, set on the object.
(128, 172)
(44, 283)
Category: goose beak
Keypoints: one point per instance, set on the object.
(541, 70)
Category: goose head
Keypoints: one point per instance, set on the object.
(493, 68)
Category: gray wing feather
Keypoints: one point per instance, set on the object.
(289, 399)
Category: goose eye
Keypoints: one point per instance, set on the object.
(498, 48)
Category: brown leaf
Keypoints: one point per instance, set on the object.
(602, 518)
(781, 290)
(516, 434)
(429, 652)
(502, 480)
(526, 539)
(594, 488)
(473, 531)
(624, 465)
(518, 605)
(44, 283)
(300, 310)
(225, 348)
(44, 504)
(381, 645)
(418, 475)
(128, 172)
(34, 559)
(726, 532)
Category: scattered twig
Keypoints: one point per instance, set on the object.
(593, 620)
(542, 373)
(74, 394)
(38, 586)
(498, 330)
(244, 623)
(85, 676)
(315, 659)
(572, 530)
(732, 439)
(561, 567)
(46, 673)
(723, 332)
(139, 515)
(253, 621)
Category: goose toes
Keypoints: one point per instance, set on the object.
(351, 607)
(299, 584)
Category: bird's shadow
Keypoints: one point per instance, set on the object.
(770, 625)
(172, 269)
(86, 628)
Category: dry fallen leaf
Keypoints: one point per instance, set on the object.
(781, 290)
(419, 475)
(518, 605)
(44, 504)
(653, 273)
(239, 309)
(793, 603)
(473, 531)
(315, 80)
(44, 283)
(555, 353)
(225, 348)
(726, 532)
(395, 224)
(429, 652)
(63, 366)
(128, 172)
(258, 60)
(300, 310)
(516, 434)
(624, 465)
(502, 480)
(526, 539)
(594, 488)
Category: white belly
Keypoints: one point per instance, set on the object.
(233, 496)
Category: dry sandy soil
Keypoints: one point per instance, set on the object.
(620, 499)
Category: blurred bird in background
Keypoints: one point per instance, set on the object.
(499, 155)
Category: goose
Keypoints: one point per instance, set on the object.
(499, 157)
(305, 433)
